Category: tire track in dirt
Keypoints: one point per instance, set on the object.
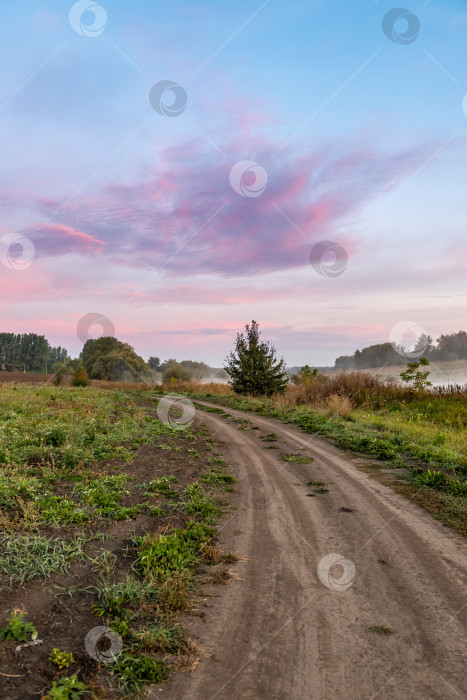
(279, 632)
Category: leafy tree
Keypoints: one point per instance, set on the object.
(155, 364)
(28, 352)
(452, 347)
(305, 375)
(176, 372)
(191, 369)
(109, 358)
(167, 363)
(197, 370)
(67, 367)
(253, 367)
(414, 374)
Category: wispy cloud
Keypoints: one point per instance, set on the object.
(140, 222)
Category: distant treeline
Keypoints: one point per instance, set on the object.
(28, 352)
(448, 347)
(103, 358)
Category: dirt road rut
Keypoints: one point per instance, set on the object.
(289, 631)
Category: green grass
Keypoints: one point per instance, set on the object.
(164, 637)
(54, 436)
(217, 477)
(271, 437)
(134, 671)
(162, 485)
(298, 459)
(26, 557)
(162, 555)
(63, 453)
(382, 629)
(196, 501)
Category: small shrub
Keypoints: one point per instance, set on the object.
(17, 628)
(431, 478)
(58, 378)
(80, 377)
(61, 658)
(67, 689)
(417, 377)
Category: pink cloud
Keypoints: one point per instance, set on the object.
(180, 214)
(52, 239)
(205, 295)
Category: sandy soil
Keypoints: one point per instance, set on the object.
(286, 630)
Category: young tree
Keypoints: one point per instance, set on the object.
(80, 377)
(414, 374)
(253, 367)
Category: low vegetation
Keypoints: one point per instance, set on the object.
(71, 470)
(418, 430)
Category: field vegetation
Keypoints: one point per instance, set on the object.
(421, 433)
(106, 517)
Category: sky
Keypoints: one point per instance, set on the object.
(171, 171)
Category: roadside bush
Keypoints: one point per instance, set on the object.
(441, 482)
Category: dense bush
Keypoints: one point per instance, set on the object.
(80, 377)
(109, 358)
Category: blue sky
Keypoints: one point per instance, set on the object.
(131, 214)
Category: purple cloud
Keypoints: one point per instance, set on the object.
(181, 214)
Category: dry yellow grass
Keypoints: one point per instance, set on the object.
(337, 405)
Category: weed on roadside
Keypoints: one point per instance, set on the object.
(271, 437)
(298, 459)
(382, 629)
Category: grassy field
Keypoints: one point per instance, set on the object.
(106, 517)
(421, 437)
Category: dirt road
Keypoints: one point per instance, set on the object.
(287, 631)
